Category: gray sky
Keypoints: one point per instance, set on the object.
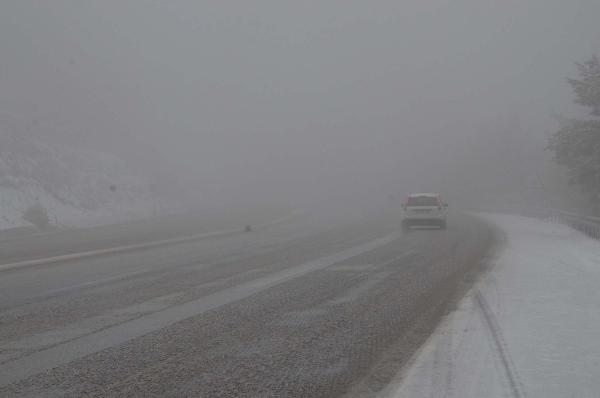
(346, 96)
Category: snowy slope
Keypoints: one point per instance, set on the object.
(74, 185)
(528, 329)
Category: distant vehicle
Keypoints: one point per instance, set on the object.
(424, 209)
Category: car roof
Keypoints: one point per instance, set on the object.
(412, 195)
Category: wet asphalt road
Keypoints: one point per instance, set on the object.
(300, 309)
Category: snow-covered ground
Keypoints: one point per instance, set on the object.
(77, 187)
(529, 328)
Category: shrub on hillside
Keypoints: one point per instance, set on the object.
(37, 215)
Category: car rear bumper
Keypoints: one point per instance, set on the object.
(424, 221)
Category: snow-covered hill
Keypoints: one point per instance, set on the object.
(77, 187)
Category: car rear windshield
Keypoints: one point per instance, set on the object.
(422, 201)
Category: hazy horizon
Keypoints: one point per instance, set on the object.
(303, 100)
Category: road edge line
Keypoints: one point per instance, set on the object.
(138, 246)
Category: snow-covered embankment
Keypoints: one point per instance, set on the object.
(77, 187)
(528, 328)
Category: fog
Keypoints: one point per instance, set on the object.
(302, 102)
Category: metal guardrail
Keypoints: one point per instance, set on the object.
(589, 225)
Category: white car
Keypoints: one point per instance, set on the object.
(424, 209)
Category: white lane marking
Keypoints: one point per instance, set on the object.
(112, 250)
(44, 360)
(137, 246)
(36, 342)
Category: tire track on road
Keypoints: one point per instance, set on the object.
(493, 326)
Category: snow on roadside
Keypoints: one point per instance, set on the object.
(77, 187)
(14, 201)
(529, 328)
